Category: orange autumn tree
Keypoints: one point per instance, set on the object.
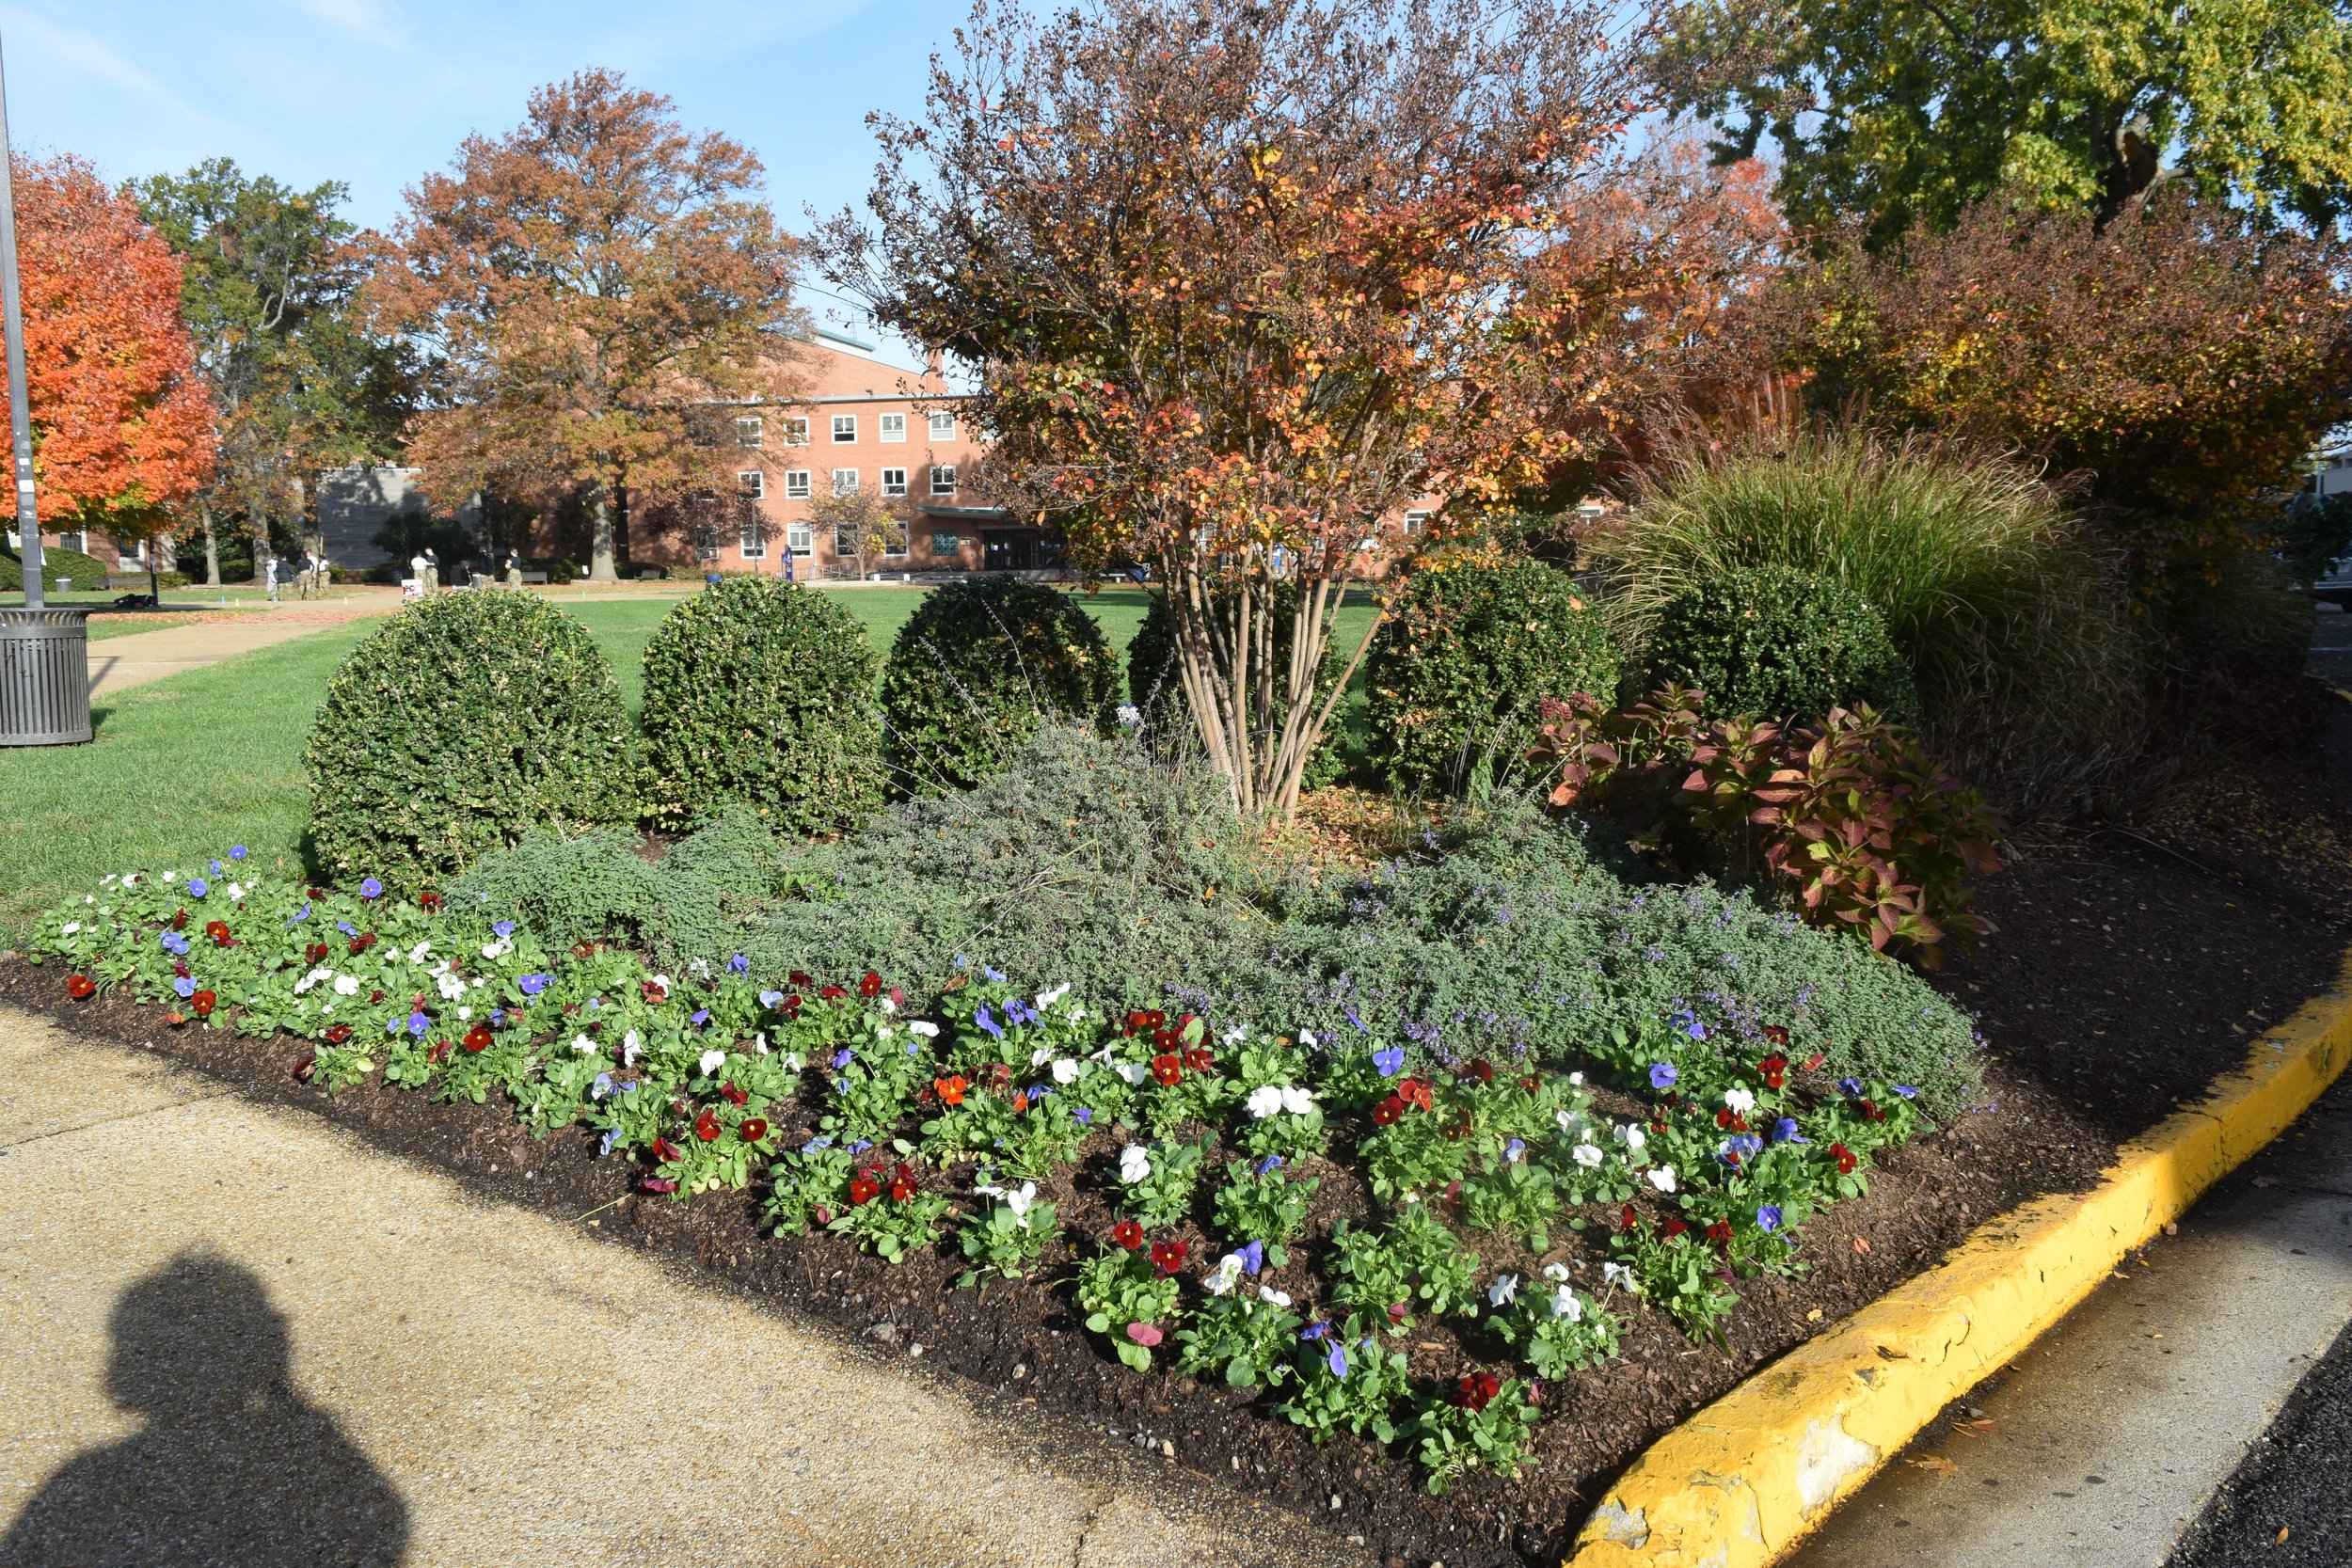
(585, 285)
(1235, 279)
(122, 427)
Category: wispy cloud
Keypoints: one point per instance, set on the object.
(366, 19)
(55, 49)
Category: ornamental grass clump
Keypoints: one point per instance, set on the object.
(2016, 629)
(760, 694)
(1469, 649)
(977, 667)
(465, 723)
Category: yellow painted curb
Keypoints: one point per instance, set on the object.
(1741, 1484)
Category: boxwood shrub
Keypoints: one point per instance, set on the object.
(1466, 655)
(468, 720)
(761, 694)
(1156, 688)
(978, 667)
(1781, 644)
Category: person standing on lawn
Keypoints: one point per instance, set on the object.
(514, 569)
(432, 573)
(265, 567)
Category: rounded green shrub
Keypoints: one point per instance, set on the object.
(1156, 686)
(1468, 654)
(467, 720)
(759, 693)
(978, 667)
(1775, 643)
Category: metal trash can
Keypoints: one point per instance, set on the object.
(44, 676)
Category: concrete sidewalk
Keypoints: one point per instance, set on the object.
(2101, 1444)
(118, 663)
(238, 1335)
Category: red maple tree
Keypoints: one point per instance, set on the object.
(122, 428)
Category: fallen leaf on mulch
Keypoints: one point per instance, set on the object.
(1935, 1464)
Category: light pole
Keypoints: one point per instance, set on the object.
(20, 413)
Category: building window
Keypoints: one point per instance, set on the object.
(748, 430)
(1416, 521)
(845, 482)
(702, 430)
(753, 483)
(943, 427)
(895, 540)
(893, 482)
(946, 542)
(796, 484)
(845, 541)
(943, 479)
(796, 432)
(755, 539)
(843, 429)
(894, 427)
(799, 538)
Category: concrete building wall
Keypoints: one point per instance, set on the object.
(354, 503)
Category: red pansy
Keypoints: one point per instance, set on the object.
(861, 1191)
(832, 994)
(80, 987)
(1844, 1157)
(1128, 1234)
(1476, 1390)
(950, 1089)
(339, 1033)
(754, 1129)
(1167, 1257)
(201, 1003)
(871, 985)
(733, 1094)
(707, 1128)
(1387, 1111)
(218, 932)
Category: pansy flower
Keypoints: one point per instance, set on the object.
(1475, 1391)
(1845, 1158)
(1662, 1075)
(371, 888)
(754, 1129)
(1128, 1234)
(82, 988)
(1388, 1061)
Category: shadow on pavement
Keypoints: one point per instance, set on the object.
(234, 1467)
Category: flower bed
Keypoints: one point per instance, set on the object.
(1387, 1245)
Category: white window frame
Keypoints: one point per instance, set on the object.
(753, 539)
(800, 538)
(844, 430)
(749, 430)
(891, 486)
(796, 484)
(943, 478)
(796, 430)
(894, 426)
(942, 425)
(1416, 521)
(895, 546)
(753, 482)
(839, 488)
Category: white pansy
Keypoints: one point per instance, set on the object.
(1576, 1079)
(1633, 1137)
(1556, 1272)
(1134, 1072)
(235, 891)
(1616, 1273)
(1662, 1178)
(168, 877)
(1297, 1101)
(1264, 1101)
(889, 1005)
(1047, 998)
(71, 927)
(1307, 1038)
(924, 1027)
(465, 1015)
(630, 1045)
(1738, 1102)
(449, 984)
(1568, 1120)
(662, 980)
(1565, 1305)
(1588, 1155)
(1237, 1034)
(1502, 1291)
(346, 985)
(1065, 1072)
(759, 1042)
(1020, 1202)
(1273, 1297)
(1042, 1055)
(582, 1044)
(493, 949)
(129, 876)
(418, 954)
(1227, 1273)
(712, 1061)
(1135, 1164)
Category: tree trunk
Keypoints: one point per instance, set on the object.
(261, 545)
(601, 567)
(211, 549)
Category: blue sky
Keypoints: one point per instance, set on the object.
(376, 92)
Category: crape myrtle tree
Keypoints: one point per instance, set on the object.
(1235, 279)
(297, 381)
(122, 427)
(586, 285)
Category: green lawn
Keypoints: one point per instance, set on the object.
(183, 767)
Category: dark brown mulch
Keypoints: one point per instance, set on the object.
(2132, 965)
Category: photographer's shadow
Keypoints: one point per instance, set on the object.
(233, 1467)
